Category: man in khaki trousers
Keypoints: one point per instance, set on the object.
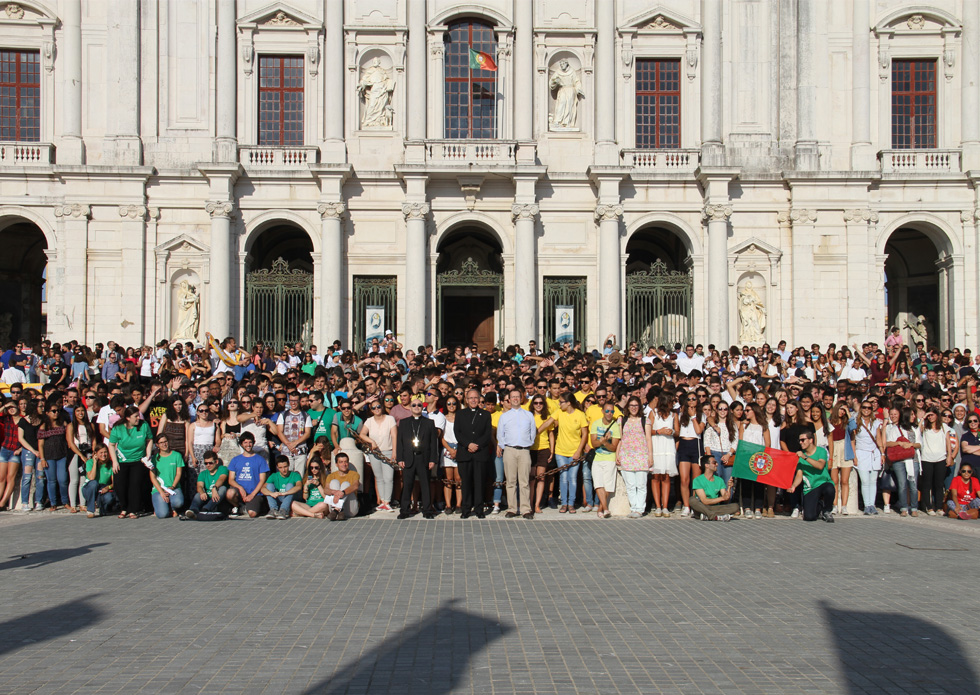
(516, 433)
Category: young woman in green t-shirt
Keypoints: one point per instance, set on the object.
(312, 505)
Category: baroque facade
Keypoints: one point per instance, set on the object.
(707, 170)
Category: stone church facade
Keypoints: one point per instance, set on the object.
(687, 170)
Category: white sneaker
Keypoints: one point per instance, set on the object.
(796, 513)
(725, 517)
(496, 509)
(843, 511)
(887, 509)
(586, 509)
(686, 511)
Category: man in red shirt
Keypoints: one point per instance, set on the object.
(964, 494)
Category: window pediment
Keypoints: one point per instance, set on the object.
(280, 16)
(754, 246)
(661, 20)
(918, 19)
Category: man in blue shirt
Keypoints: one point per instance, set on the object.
(246, 477)
(516, 433)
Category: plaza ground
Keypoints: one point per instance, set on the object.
(554, 605)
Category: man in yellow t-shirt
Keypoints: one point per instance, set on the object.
(594, 412)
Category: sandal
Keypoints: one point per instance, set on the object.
(571, 510)
(122, 515)
(131, 515)
(562, 509)
(72, 510)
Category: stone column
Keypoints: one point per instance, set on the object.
(333, 149)
(122, 145)
(712, 147)
(226, 85)
(807, 155)
(718, 215)
(968, 285)
(416, 253)
(219, 288)
(333, 282)
(416, 71)
(610, 272)
(523, 70)
(437, 50)
(970, 79)
(525, 271)
(803, 316)
(74, 218)
(606, 152)
(858, 223)
(71, 149)
(862, 157)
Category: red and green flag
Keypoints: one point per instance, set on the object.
(481, 61)
(764, 465)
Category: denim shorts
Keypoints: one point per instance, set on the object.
(7, 455)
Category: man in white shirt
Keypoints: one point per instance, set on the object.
(783, 352)
(688, 361)
(516, 433)
(13, 375)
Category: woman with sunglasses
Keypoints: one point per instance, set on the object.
(753, 430)
(27, 429)
(542, 451)
(869, 443)
(573, 432)
(10, 452)
(53, 452)
(203, 435)
(450, 467)
(688, 432)
(379, 432)
(900, 431)
(937, 456)
(313, 505)
(634, 455)
(230, 427)
(842, 459)
(81, 438)
(721, 438)
(663, 427)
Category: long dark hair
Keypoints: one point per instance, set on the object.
(626, 411)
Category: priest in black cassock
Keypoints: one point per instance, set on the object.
(418, 452)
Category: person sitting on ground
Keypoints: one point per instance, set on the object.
(818, 487)
(212, 486)
(98, 487)
(313, 504)
(279, 489)
(964, 494)
(165, 478)
(711, 496)
(246, 477)
(342, 486)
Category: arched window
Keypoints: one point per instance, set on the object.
(471, 81)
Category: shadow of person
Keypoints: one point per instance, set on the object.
(881, 652)
(448, 638)
(50, 623)
(46, 557)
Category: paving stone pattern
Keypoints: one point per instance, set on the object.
(452, 606)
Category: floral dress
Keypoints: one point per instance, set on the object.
(634, 450)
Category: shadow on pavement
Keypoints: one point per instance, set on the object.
(46, 557)
(882, 652)
(50, 623)
(447, 639)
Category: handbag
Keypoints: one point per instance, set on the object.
(894, 454)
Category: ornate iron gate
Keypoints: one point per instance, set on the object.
(659, 306)
(278, 305)
(373, 290)
(469, 274)
(559, 291)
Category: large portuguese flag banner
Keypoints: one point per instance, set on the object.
(769, 466)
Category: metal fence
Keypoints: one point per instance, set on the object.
(373, 290)
(278, 306)
(564, 291)
(659, 306)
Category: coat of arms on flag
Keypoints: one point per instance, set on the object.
(481, 61)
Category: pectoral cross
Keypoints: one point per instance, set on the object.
(415, 442)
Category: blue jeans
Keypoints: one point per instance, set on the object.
(567, 481)
(903, 482)
(208, 505)
(591, 499)
(725, 472)
(57, 476)
(90, 493)
(162, 509)
(29, 467)
(498, 492)
(277, 504)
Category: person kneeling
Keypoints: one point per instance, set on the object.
(342, 486)
(279, 489)
(313, 505)
(98, 488)
(212, 486)
(165, 477)
(964, 494)
(711, 495)
(818, 487)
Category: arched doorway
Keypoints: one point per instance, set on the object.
(470, 289)
(916, 296)
(659, 289)
(23, 276)
(279, 288)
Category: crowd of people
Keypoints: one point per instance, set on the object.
(210, 431)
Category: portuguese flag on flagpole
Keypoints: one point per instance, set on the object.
(769, 466)
(481, 61)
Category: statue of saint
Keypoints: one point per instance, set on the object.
(751, 315)
(567, 86)
(188, 312)
(375, 89)
(918, 331)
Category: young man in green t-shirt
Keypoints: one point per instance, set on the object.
(711, 495)
(212, 485)
(818, 487)
(280, 488)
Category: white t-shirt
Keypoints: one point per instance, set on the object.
(688, 364)
(12, 375)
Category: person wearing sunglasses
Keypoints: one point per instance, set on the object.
(378, 432)
(212, 486)
(812, 472)
(869, 443)
(964, 495)
(417, 447)
(313, 504)
(53, 453)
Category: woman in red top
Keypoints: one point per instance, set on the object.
(9, 451)
(964, 495)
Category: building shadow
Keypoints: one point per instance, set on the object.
(50, 623)
(885, 652)
(448, 637)
(46, 557)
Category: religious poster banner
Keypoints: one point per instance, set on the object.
(375, 324)
(564, 323)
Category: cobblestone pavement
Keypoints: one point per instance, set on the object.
(883, 605)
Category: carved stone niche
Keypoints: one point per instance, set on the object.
(376, 90)
(566, 92)
(180, 258)
(755, 261)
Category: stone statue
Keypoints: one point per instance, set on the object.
(567, 86)
(751, 315)
(188, 312)
(306, 335)
(375, 89)
(919, 332)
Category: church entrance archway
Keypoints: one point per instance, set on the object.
(23, 283)
(279, 288)
(916, 287)
(659, 289)
(470, 289)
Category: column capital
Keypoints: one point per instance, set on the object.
(415, 211)
(524, 211)
(969, 216)
(717, 212)
(861, 215)
(219, 208)
(333, 210)
(437, 45)
(76, 210)
(798, 216)
(133, 212)
(608, 212)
